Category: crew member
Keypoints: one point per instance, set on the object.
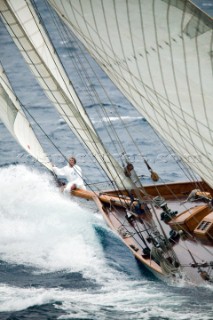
(130, 172)
(73, 174)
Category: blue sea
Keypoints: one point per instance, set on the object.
(58, 258)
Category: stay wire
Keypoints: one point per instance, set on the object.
(102, 144)
(78, 111)
(95, 94)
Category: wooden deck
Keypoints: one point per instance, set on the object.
(186, 256)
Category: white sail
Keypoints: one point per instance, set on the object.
(23, 24)
(159, 54)
(13, 117)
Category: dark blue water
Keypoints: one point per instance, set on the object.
(58, 259)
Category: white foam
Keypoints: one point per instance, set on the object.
(16, 299)
(126, 118)
(126, 299)
(41, 228)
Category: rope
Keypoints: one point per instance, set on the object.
(165, 265)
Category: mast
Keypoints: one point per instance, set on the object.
(30, 37)
(13, 117)
(159, 54)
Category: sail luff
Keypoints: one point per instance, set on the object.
(22, 22)
(13, 117)
(164, 67)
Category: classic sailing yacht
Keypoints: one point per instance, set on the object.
(159, 54)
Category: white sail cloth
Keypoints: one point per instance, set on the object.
(159, 54)
(13, 117)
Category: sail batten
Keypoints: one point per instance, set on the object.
(159, 54)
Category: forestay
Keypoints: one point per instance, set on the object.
(159, 54)
(26, 30)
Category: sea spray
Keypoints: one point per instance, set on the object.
(42, 228)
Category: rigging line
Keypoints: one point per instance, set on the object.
(139, 233)
(62, 154)
(170, 189)
(115, 109)
(123, 225)
(107, 94)
(88, 185)
(141, 236)
(195, 178)
(109, 38)
(85, 74)
(43, 24)
(51, 141)
(81, 50)
(43, 131)
(91, 136)
(111, 163)
(94, 91)
(102, 172)
(182, 165)
(55, 55)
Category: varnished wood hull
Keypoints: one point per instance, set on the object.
(190, 258)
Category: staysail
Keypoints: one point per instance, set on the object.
(12, 115)
(23, 24)
(159, 54)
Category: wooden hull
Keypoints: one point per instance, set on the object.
(185, 254)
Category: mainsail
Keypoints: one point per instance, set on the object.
(159, 54)
(30, 37)
(12, 115)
